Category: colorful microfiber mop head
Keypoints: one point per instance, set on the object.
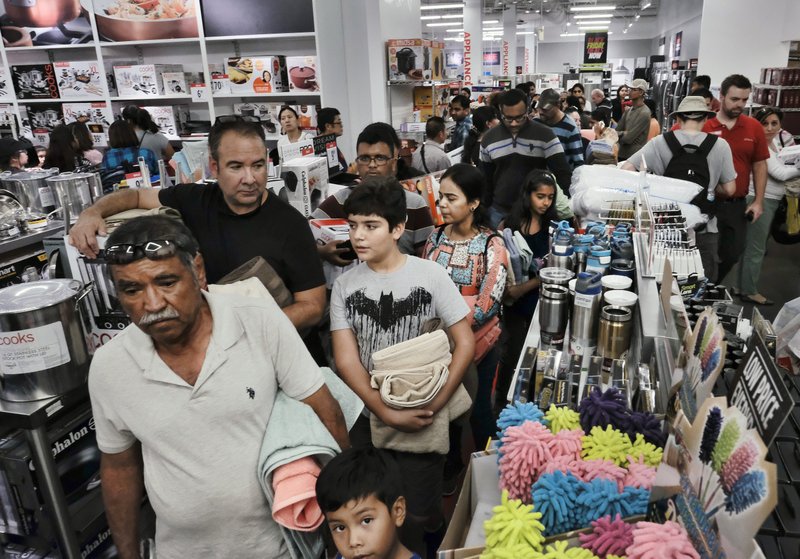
(567, 443)
(555, 496)
(639, 474)
(561, 550)
(725, 445)
(564, 464)
(648, 425)
(519, 551)
(710, 434)
(600, 497)
(526, 450)
(513, 523)
(606, 444)
(660, 541)
(517, 413)
(608, 536)
(603, 469)
(642, 449)
(740, 462)
(562, 418)
(746, 492)
(603, 408)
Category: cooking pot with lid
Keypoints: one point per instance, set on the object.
(31, 189)
(42, 13)
(43, 351)
(72, 192)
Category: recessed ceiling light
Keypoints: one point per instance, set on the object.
(485, 29)
(630, 25)
(453, 16)
(429, 17)
(440, 24)
(442, 6)
(624, 30)
(592, 16)
(454, 30)
(568, 24)
(592, 8)
(592, 23)
(488, 21)
(638, 16)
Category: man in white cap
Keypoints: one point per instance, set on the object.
(690, 154)
(635, 122)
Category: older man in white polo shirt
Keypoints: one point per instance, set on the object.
(182, 397)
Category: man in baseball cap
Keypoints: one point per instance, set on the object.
(635, 122)
(565, 129)
(710, 166)
(13, 155)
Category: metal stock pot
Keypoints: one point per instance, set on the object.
(43, 350)
(72, 192)
(31, 189)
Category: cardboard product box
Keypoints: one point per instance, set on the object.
(307, 117)
(423, 96)
(257, 74)
(78, 80)
(174, 83)
(306, 182)
(302, 72)
(34, 81)
(331, 230)
(143, 79)
(409, 59)
(5, 83)
(437, 60)
(97, 116)
(165, 119)
(42, 118)
(21, 269)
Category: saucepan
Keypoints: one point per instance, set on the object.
(303, 77)
(42, 13)
(145, 20)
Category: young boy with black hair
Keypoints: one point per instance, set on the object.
(385, 301)
(361, 494)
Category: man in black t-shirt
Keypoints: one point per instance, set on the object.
(234, 219)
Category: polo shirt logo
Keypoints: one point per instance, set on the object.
(251, 393)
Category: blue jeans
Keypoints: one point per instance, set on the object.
(482, 420)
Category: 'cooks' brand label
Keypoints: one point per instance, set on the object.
(46, 196)
(33, 350)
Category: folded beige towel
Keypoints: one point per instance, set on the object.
(251, 287)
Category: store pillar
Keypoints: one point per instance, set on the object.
(508, 62)
(473, 41)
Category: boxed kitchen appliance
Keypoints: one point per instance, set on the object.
(78, 79)
(40, 119)
(413, 59)
(34, 81)
(143, 80)
(266, 112)
(97, 116)
(257, 74)
(306, 182)
(302, 72)
(174, 83)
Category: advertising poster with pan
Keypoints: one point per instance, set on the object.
(144, 20)
(595, 47)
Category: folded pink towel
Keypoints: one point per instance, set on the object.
(295, 506)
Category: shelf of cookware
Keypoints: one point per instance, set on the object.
(50, 47)
(23, 241)
(283, 94)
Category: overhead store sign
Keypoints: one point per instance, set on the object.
(595, 48)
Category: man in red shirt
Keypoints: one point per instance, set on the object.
(750, 153)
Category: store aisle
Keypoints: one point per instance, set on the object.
(780, 278)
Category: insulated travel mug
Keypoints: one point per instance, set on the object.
(553, 313)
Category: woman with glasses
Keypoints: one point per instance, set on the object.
(290, 127)
(758, 231)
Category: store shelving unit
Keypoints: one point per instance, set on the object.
(196, 54)
(780, 89)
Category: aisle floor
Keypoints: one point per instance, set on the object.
(780, 278)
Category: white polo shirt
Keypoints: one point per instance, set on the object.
(200, 444)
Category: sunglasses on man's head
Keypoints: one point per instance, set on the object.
(235, 118)
(125, 253)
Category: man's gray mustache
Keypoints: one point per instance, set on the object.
(150, 318)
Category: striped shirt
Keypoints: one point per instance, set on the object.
(506, 161)
(569, 134)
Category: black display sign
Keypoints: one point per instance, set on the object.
(256, 17)
(760, 394)
(325, 146)
(595, 47)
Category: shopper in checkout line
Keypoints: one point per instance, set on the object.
(717, 177)
(599, 99)
(531, 216)
(460, 113)
(234, 219)
(291, 133)
(758, 231)
(384, 301)
(514, 149)
(483, 119)
(378, 149)
(699, 83)
(147, 132)
(181, 399)
(477, 261)
(430, 156)
(566, 130)
(634, 125)
(750, 152)
(13, 155)
(329, 121)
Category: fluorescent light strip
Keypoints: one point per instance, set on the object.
(440, 24)
(592, 16)
(485, 29)
(594, 28)
(456, 39)
(488, 21)
(425, 18)
(599, 22)
(525, 32)
(453, 16)
(442, 6)
(454, 30)
(579, 34)
(593, 8)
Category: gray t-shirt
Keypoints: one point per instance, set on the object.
(435, 158)
(632, 129)
(201, 443)
(657, 155)
(156, 143)
(387, 309)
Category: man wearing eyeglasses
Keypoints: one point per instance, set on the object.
(378, 149)
(182, 396)
(234, 219)
(329, 121)
(511, 151)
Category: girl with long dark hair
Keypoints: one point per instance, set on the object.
(85, 143)
(531, 216)
(147, 132)
(62, 151)
(477, 261)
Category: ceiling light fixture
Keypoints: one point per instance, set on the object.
(624, 30)
(594, 27)
(630, 24)
(638, 16)
(525, 32)
(456, 39)
(572, 34)
(488, 21)
(592, 8)
(440, 24)
(593, 23)
(454, 30)
(485, 29)
(592, 16)
(442, 6)
(453, 16)
(644, 4)
(424, 18)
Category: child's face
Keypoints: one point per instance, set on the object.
(542, 198)
(371, 238)
(367, 528)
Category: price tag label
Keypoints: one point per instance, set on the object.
(134, 180)
(200, 92)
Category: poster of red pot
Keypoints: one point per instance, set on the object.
(44, 23)
(145, 20)
(595, 47)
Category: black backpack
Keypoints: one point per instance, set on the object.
(690, 163)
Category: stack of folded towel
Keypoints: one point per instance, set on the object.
(410, 375)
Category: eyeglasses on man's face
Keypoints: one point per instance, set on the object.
(514, 118)
(379, 160)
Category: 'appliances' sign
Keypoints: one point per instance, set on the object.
(467, 60)
(506, 69)
(595, 48)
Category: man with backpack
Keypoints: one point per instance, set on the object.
(690, 154)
